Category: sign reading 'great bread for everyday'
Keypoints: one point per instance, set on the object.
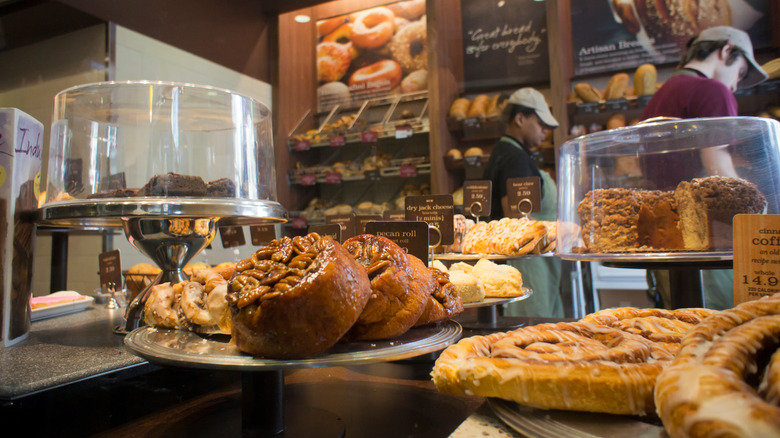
(756, 256)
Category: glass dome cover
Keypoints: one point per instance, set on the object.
(665, 189)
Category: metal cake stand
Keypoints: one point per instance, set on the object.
(170, 231)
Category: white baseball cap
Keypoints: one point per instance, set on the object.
(755, 75)
(533, 99)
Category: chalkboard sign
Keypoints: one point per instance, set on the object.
(504, 43)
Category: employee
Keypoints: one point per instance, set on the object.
(716, 63)
(528, 119)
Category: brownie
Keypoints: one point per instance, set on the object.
(174, 184)
(221, 188)
(117, 193)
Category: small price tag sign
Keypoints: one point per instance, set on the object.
(477, 197)
(616, 105)
(437, 211)
(362, 220)
(262, 234)
(756, 256)
(524, 195)
(110, 268)
(333, 178)
(408, 171)
(347, 222)
(302, 145)
(403, 131)
(394, 215)
(337, 140)
(411, 236)
(232, 236)
(117, 181)
(299, 223)
(590, 107)
(369, 136)
(331, 230)
(373, 175)
(308, 179)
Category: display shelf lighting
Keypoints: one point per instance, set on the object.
(302, 18)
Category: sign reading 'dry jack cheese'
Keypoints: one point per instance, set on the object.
(611, 35)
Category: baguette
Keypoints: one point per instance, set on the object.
(616, 88)
(587, 93)
(645, 79)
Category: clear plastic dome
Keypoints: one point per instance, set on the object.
(665, 187)
(141, 139)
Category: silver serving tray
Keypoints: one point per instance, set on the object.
(188, 349)
(487, 302)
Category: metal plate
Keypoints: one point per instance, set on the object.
(109, 212)
(457, 257)
(188, 349)
(496, 301)
(653, 257)
(540, 423)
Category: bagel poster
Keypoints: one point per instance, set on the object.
(372, 53)
(613, 35)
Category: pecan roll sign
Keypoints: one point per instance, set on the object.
(296, 297)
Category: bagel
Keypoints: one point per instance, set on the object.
(410, 9)
(333, 61)
(415, 81)
(379, 76)
(409, 46)
(328, 25)
(343, 35)
(373, 28)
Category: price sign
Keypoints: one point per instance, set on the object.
(437, 211)
(756, 256)
(308, 179)
(373, 175)
(369, 136)
(110, 268)
(331, 230)
(477, 197)
(337, 140)
(394, 215)
(616, 105)
(232, 236)
(411, 236)
(362, 220)
(347, 222)
(408, 171)
(524, 195)
(403, 131)
(333, 178)
(590, 107)
(302, 145)
(299, 223)
(262, 234)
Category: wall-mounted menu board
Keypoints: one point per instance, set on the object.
(372, 53)
(504, 43)
(610, 35)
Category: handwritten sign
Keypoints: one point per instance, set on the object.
(262, 234)
(347, 222)
(437, 211)
(524, 195)
(110, 269)
(504, 43)
(411, 236)
(477, 197)
(232, 236)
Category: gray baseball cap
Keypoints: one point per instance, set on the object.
(755, 75)
(531, 98)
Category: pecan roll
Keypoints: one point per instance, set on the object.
(400, 288)
(444, 303)
(295, 298)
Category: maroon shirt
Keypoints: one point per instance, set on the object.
(687, 94)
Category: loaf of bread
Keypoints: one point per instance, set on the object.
(459, 108)
(645, 78)
(479, 106)
(616, 87)
(587, 93)
(772, 68)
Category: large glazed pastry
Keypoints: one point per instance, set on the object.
(296, 297)
(444, 302)
(570, 366)
(400, 288)
(509, 236)
(725, 381)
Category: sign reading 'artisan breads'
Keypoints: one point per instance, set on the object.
(504, 43)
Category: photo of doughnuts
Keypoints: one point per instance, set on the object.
(372, 53)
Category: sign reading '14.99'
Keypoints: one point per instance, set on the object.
(756, 256)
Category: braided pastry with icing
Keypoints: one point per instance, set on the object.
(725, 381)
(296, 297)
(571, 366)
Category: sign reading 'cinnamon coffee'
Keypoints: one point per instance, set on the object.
(331, 230)
(437, 211)
(756, 256)
(524, 196)
(262, 234)
(477, 197)
(232, 236)
(347, 222)
(110, 268)
(412, 236)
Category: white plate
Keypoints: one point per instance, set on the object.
(63, 308)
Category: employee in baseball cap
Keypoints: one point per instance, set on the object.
(528, 119)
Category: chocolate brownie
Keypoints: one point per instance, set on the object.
(221, 188)
(174, 184)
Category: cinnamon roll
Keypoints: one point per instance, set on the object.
(444, 303)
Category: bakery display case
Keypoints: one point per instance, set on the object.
(693, 177)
